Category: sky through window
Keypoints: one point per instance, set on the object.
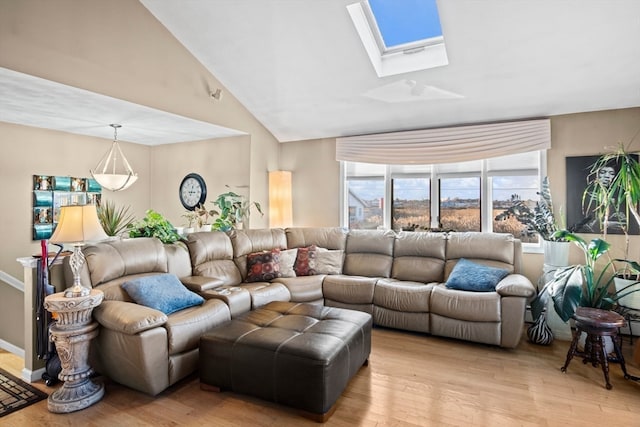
(406, 21)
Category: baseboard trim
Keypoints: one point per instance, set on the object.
(7, 346)
(33, 376)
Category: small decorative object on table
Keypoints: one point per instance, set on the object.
(72, 334)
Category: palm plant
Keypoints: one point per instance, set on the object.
(114, 220)
(581, 284)
(620, 195)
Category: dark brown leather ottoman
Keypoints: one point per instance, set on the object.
(295, 354)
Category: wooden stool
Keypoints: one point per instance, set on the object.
(596, 324)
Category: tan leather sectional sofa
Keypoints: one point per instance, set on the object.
(397, 278)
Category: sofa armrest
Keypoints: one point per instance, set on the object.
(516, 285)
(128, 317)
(201, 283)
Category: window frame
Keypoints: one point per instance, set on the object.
(486, 193)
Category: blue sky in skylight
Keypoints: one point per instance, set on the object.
(406, 21)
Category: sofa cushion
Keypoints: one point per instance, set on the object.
(349, 289)
(245, 242)
(463, 305)
(184, 328)
(305, 264)
(263, 266)
(323, 237)
(329, 261)
(116, 258)
(287, 261)
(402, 296)
(369, 253)
(470, 276)
(163, 292)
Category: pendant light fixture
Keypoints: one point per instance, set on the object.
(109, 173)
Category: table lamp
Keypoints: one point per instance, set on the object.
(78, 224)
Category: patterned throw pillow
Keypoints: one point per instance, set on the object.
(263, 266)
(305, 264)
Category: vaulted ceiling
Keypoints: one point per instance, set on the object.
(301, 69)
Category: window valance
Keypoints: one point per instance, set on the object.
(447, 145)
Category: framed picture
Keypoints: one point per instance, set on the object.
(42, 182)
(578, 180)
(50, 193)
(43, 215)
(62, 183)
(78, 184)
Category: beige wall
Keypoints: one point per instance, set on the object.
(119, 49)
(220, 162)
(315, 181)
(28, 151)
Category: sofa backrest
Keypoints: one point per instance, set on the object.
(111, 263)
(493, 249)
(369, 253)
(334, 238)
(419, 256)
(245, 242)
(212, 256)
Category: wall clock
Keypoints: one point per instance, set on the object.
(193, 191)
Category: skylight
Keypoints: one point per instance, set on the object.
(406, 21)
(400, 36)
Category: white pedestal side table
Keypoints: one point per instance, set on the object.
(72, 333)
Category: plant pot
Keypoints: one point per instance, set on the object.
(556, 254)
(630, 301)
(188, 230)
(205, 227)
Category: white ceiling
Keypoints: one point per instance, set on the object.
(301, 69)
(32, 101)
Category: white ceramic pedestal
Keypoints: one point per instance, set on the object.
(72, 334)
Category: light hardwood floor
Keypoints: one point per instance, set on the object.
(412, 380)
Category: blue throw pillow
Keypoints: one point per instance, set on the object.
(470, 276)
(163, 292)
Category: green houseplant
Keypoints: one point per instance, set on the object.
(234, 210)
(114, 220)
(613, 192)
(203, 216)
(612, 197)
(582, 284)
(154, 225)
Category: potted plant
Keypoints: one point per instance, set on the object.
(203, 217)
(613, 192)
(114, 220)
(192, 219)
(234, 211)
(583, 284)
(612, 197)
(154, 225)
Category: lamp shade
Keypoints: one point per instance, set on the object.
(78, 223)
(280, 203)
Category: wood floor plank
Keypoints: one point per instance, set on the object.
(412, 380)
